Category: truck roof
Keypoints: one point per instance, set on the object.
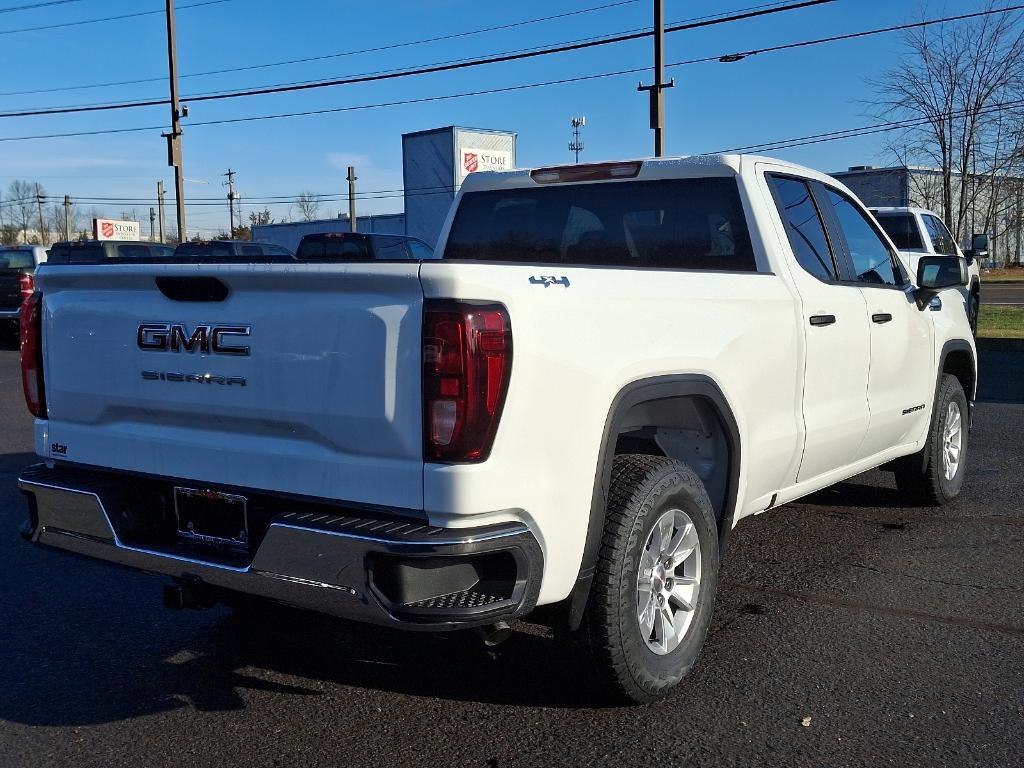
(652, 168)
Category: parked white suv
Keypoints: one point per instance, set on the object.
(607, 369)
(917, 231)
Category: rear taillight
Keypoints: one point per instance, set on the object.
(467, 360)
(26, 285)
(32, 354)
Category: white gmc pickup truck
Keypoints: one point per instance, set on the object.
(608, 367)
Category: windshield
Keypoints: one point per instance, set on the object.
(16, 260)
(902, 230)
(669, 224)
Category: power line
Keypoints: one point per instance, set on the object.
(883, 127)
(565, 48)
(33, 6)
(361, 50)
(119, 17)
(505, 89)
(196, 96)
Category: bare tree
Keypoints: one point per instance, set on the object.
(58, 220)
(961, 85)
(260, 217)
(22, 197)
(308, 205)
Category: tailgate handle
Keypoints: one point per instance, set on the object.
(192, 288)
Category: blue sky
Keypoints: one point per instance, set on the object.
(713, 106)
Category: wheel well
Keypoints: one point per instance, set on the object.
(689, 429)
(959, 363)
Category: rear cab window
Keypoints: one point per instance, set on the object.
(340, 246)
(74, 253)
(694, 224)
(210, 250)
(902, 229)
(16, 260)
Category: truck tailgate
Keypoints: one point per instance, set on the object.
(326, 403)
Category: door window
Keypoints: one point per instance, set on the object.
(942, 241)
(873, 262)
(803, 226)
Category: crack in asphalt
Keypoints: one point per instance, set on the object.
(903, 574)
(1012, 630)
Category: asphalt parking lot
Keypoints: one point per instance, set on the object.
(896, 634)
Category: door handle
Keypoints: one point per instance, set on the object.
(817, 320)
(881, 317)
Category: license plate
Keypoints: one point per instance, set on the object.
(211, 516)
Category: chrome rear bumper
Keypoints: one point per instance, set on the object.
(375, 569)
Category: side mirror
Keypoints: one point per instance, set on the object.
(936, 273)
(979, 242)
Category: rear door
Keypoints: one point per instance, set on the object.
(901, 380)
(295, 378)
(834, 316)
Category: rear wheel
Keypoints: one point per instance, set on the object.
(973, 308)
(934, 475)
(657, 573)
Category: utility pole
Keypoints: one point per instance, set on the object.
(352, 197)
(152, 221)
(39, 203)
(174, 137)
(576, 145)
(656, 89)
(67, 217)
(230, 183)
(160, 208)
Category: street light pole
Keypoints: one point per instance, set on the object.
(174, 137)
(657, 88)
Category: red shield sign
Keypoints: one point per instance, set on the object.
(470, 162)
(107, 228)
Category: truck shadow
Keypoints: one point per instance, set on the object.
(154, 661)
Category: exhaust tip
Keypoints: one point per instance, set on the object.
(495, 634)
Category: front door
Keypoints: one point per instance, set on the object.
(901, 382)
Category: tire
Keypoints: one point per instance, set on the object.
(973, 307)
(645, 491)
(924, 478)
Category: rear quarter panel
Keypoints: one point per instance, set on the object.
(575, 348)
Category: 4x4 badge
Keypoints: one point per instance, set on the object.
(547, 280)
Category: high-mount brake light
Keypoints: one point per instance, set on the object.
(32, 354)
(467, 361)
(587, 172)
